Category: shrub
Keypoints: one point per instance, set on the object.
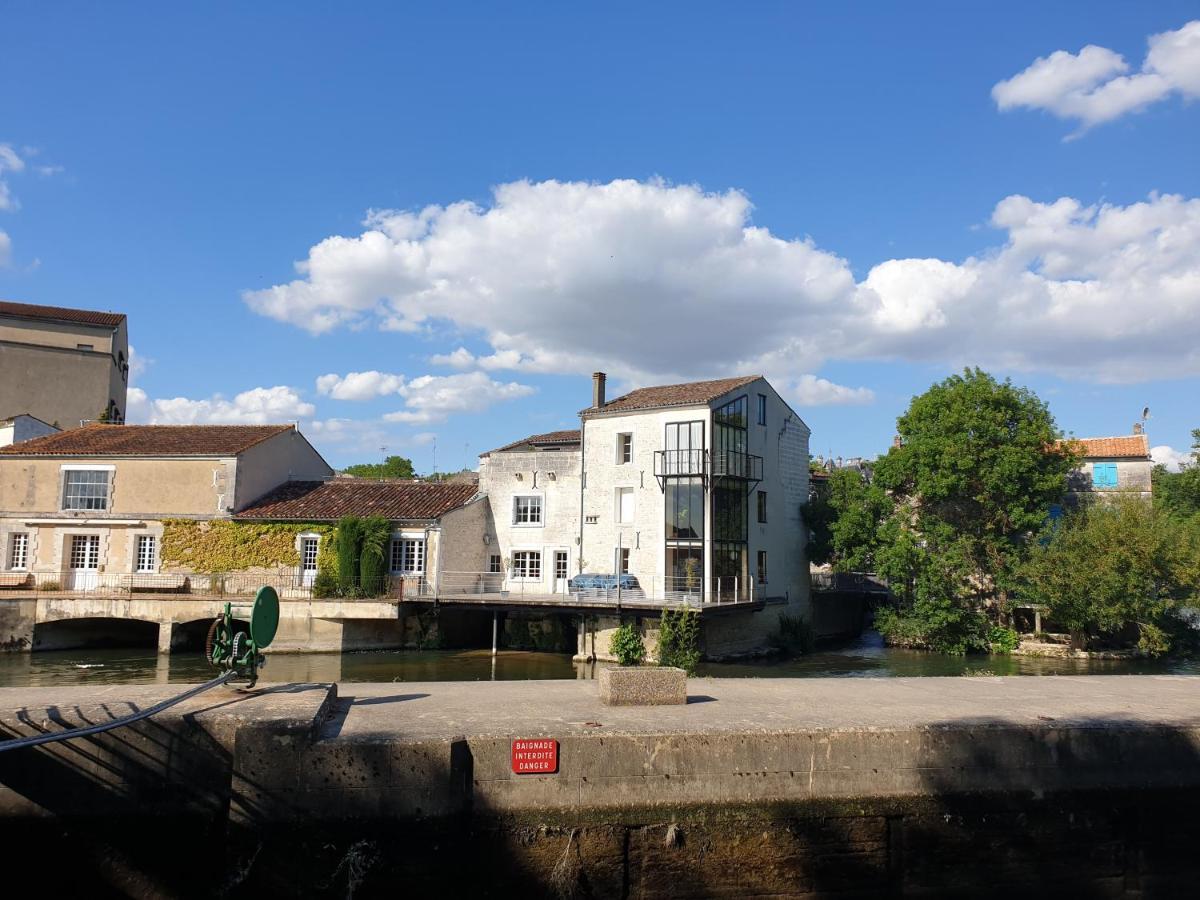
(934, 624)
(324, 585)
(349, 544)
(795, 635)
(1003, 640)
(679, 639)
(375, 538)
(627, 646)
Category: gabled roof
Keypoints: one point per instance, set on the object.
(1129, 446)
(61, 314)
(320, 501)
(668, 395)
(551, 440)
(148, 440)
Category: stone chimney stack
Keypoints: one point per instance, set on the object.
(896, 442)
(598, 380)
(1138, 428)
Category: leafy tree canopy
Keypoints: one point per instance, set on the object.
(1178, 493)
(1114, 564)
(392, 467)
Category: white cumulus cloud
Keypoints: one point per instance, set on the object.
(258, 406)
(1173, 459)
(809, 390)
(359, 385)
(434, 398)
(653, 282)
(1094, 85)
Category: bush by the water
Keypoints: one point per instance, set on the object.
(679, 638)
(627, 646)
(795, 635)
(1003, 640)
(934, 623)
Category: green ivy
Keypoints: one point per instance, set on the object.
(223, 546)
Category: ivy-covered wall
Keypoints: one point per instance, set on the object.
(223, 546)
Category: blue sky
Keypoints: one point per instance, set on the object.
(816, 191)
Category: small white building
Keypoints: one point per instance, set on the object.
(1121, 464)
(23, 427)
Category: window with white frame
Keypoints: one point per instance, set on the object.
(625, 505)
(624, 448)
(527, 510)
(85, 551)
(408, 556)
(624, 561)
(85, 489)
(147, 553)
(495, 564)
(527, 564)
(561, 565)
(308, 554)
(18, 550)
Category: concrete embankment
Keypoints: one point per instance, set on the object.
(756, 787)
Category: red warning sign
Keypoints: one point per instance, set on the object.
(535, 756)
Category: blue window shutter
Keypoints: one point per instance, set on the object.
(1104, 475)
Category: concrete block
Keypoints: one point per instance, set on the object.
(642, 686)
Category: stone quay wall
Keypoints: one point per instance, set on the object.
(755, 787)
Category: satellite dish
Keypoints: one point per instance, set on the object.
(1145, 414)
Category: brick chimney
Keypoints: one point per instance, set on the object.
(598, 379)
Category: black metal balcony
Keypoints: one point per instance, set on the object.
(680, 463)
(732, 464)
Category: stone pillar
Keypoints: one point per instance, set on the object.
(166, 631)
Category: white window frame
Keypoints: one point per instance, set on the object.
(540, 506)
(412, 555)
(623, 558)
(64, 473)
(521, 569)
(141, 541)
(12, 551)
(563, 556)
(495, 564)
(303, 539)
(619, 512)
(624, 448)
(91, 554)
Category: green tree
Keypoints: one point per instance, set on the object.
(349, 549)
(1116, 564)
(1178, 493)
(950, 514)
(375, 540)
(392, 467)
(843, 516)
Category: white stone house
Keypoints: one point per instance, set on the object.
(693, 489)
(1112, 464)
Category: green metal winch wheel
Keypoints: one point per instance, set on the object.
(236, 652)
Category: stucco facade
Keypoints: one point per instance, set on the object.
(1112, 466)
(132, 497)
(62, 371)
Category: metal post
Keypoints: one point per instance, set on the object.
(617, 568)
(495, 629)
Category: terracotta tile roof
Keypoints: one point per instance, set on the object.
(148, 440)
(318, 501)
(61, 314)
(667, 395)
(1130, 446)
(551, 440)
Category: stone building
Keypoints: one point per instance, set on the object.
(63, 366)
(1112, 464)
(692, 490)
(86, 506)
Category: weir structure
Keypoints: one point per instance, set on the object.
(1079, 786)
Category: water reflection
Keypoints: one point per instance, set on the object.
(866, 657)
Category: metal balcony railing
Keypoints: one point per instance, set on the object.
(733, 464)
(661, 591)
(672, 463)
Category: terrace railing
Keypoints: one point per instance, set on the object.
(203, 586)
(662, 591)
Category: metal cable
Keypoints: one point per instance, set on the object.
(35, 740)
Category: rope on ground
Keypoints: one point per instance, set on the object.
(50, 738)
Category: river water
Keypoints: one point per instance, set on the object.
(866, 657)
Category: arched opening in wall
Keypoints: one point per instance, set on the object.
(189, 637)
(74, 634)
